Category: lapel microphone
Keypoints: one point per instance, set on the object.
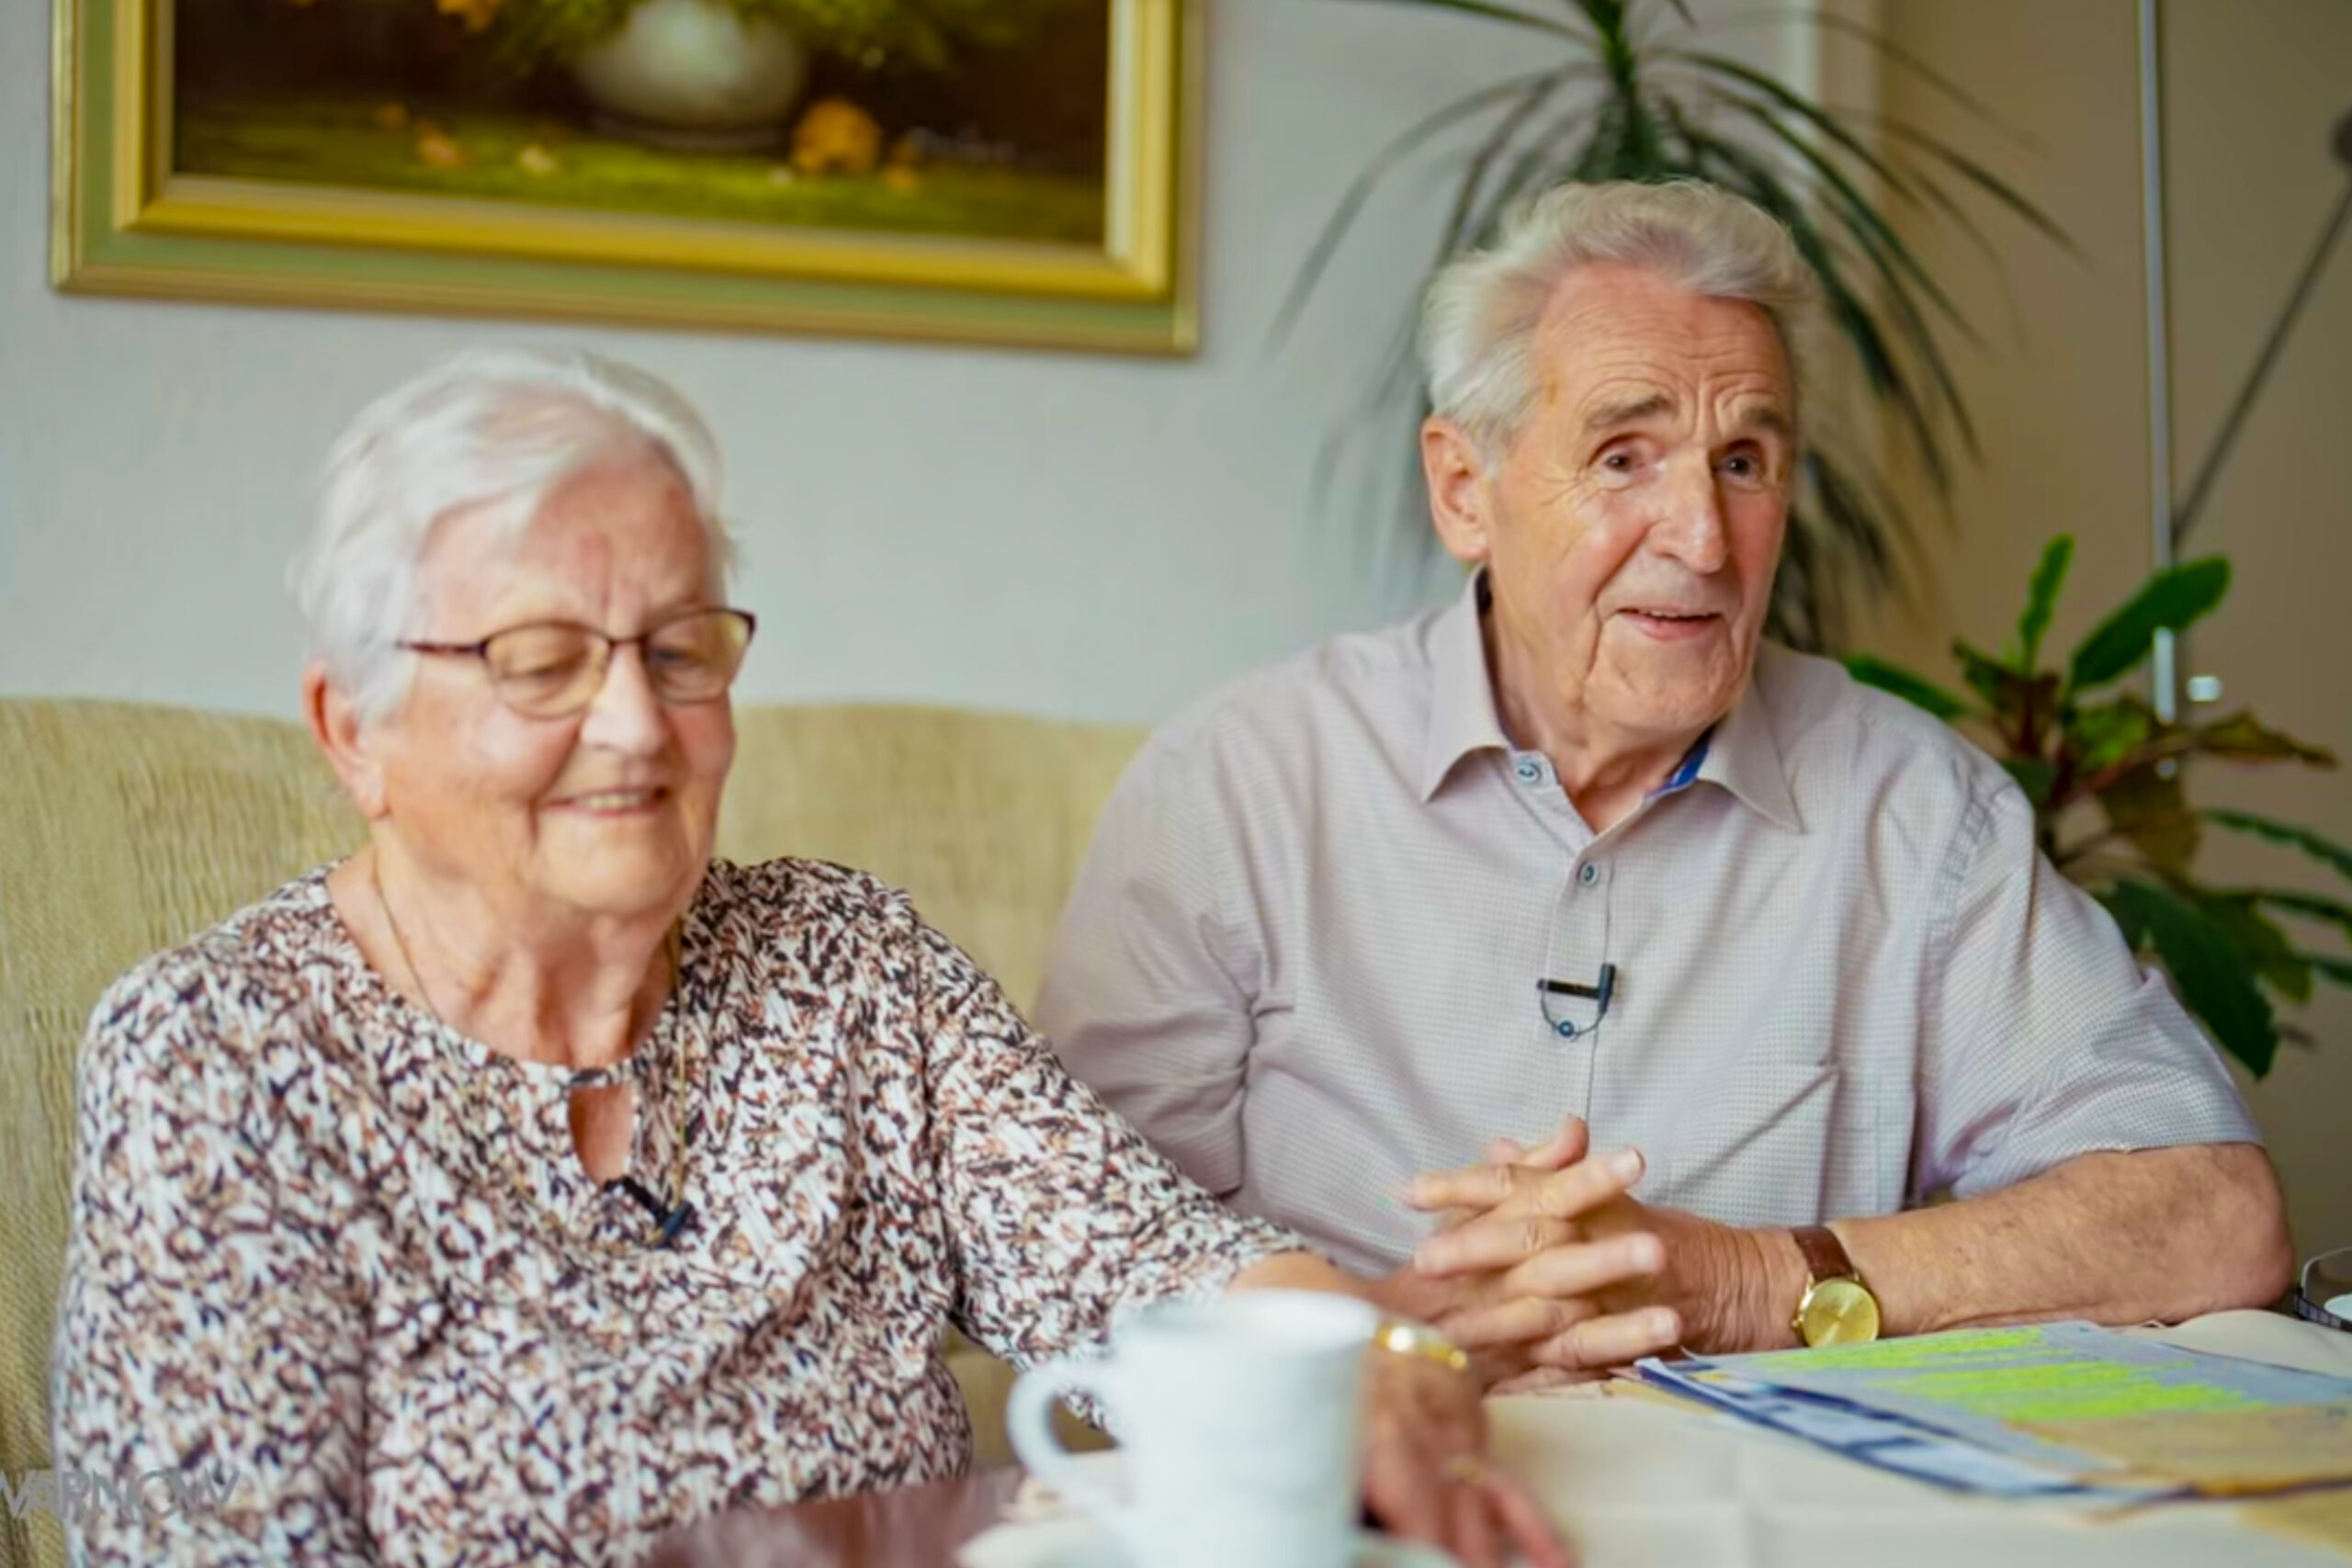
(669, 1220)
(1598, 995)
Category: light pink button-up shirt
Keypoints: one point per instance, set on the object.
(1304, 955)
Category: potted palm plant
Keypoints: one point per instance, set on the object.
(1628, 90)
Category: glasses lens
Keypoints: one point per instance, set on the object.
(694, 659)
(545, 671)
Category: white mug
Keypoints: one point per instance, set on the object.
(1241, 1421)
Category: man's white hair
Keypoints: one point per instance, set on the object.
(1479, 320)
(495, 428)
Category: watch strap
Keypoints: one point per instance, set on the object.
(1825, 1255)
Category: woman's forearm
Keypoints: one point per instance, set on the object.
(1301, 1271)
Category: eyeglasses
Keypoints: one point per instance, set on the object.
(553, 668)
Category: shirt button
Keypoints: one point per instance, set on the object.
(1589, 874)
(1528, 771)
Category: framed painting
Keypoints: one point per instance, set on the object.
(1000, 171)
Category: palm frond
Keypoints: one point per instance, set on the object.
(1508, 15)
(1889, 51)
(1402, 145)
(1986, 180)
(1461, 219)
(1742, 171)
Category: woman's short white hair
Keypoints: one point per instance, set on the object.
(490, 428)
(1479, 320)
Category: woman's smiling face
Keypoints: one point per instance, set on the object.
(610, 811)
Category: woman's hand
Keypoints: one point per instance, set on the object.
(1426, 1472)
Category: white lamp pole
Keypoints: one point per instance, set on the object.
(2164, 674)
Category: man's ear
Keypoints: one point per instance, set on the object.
(1456, 474)
(336, 725)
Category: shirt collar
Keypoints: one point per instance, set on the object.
(1744, 757)
(1462, 699)
(1739, 754)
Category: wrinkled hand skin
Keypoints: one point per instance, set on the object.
(1545, 1270)
(1425, 1476)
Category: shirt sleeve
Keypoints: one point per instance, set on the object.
(206, 1395)
(2044, 1038)
(1062, 1216)
(1152, 982)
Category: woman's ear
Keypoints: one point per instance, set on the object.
(336, 724)
(1456, 475)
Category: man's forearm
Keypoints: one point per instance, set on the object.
(2118, 1238)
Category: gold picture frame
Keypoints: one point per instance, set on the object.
(126, 221)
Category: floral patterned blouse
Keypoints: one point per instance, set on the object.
(342, 1261)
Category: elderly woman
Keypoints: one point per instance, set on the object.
(530, 1183)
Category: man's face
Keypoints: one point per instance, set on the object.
(1632, 530)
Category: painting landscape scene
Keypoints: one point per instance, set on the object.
(967, 118)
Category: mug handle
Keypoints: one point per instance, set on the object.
(1028, 1420)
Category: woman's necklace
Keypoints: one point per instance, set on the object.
(671, 1218)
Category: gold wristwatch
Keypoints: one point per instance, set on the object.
(1836, 1307)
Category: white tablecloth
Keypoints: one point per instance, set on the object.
(1636, 1482)
(1639, 1483)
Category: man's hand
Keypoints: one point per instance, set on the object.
(1427, 1476)
(1573, 1275)
(1502, 1357)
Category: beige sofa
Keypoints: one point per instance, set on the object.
(123, 829)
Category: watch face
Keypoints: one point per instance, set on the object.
(1839, 1312)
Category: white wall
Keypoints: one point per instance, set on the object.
(1075, 536)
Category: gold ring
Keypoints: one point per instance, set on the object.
(1399, 1338)
(1467, 1469)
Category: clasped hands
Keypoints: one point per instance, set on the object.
(1546, 1271)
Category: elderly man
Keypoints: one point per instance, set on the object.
(1582, 851)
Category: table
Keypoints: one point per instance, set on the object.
(1638, 1481)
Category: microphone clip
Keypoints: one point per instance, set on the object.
(1598, 995)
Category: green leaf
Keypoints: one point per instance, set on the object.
(2287, 833)
(2260, 944)
(1990, 679)
(2212, 979)
(2023, 710)
(2171, 600)
(2243, 739)
(2336, 969)
(2103, 736)
(2041, 600)
(1913, 688)
(2150, 810)
(2033, 775)
(2309, 906)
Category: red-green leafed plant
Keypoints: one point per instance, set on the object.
(2109, 780)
